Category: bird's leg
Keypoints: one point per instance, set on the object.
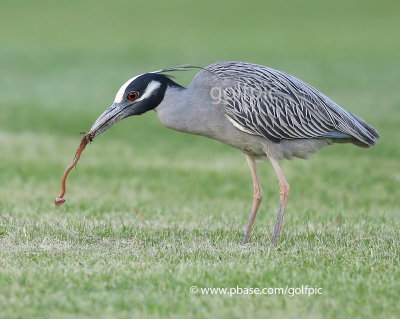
(284, 195)
(257, 196)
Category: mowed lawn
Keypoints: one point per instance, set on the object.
(151, 212)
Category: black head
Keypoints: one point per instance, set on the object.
(144, 92)
(137, 96)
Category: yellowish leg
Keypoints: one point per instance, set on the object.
(284, 195)
(257, 196)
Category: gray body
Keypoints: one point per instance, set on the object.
(192, 110)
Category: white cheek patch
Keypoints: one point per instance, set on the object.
(120, 94)
(153, 86)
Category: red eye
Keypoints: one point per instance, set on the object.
(132, 95)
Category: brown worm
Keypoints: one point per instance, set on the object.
(88, 137)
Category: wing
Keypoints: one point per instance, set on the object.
(270, 103)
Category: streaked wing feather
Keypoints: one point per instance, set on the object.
(278, 106)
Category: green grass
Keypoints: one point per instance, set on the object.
(151, 212)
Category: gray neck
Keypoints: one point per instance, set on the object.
(189, 110)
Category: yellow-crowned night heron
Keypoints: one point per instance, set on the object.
(265, 113)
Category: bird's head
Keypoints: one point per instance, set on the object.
(137, 96)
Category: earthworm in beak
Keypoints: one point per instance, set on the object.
(88, 137)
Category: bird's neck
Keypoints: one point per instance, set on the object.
(182, 109)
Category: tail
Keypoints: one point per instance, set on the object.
(366, 135)
(373, 134)
(354, 129)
